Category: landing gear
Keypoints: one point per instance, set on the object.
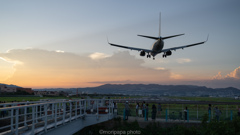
(153, 58)
(164, 55)
(148, 56)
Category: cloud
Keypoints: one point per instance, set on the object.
(160, 68)
(234, 74)
(230, 80)
(6, 69)
(183, 60)
(59, 51)
(218, 76)
(97, 55)
(176, 76)
(42, 68)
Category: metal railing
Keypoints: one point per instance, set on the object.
(32, 118)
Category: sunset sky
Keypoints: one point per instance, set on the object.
(59, 43)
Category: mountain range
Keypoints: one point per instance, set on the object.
(155, 89)
(150, 89)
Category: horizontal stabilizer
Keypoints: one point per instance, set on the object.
(156, 38)
(172, 36)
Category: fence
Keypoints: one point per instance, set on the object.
(194, 112)
(35, 117)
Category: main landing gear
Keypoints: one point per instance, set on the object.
(164, 56)
(149, 56)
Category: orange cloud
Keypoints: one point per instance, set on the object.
(234, 74)
(230, 80)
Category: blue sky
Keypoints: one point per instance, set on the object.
(81, 27)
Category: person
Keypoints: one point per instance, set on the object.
(137, 107)
(143, 109)
(209, 108)
(217, 113)
(154, 112)
(159, 109)
(146, 111)
(127, 109)
(115, 107)
(140, 113)
(185, 113)
(239, 111)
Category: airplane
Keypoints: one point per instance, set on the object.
(158, 45)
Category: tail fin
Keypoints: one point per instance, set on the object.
(159, 32)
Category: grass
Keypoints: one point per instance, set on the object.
(215, 99)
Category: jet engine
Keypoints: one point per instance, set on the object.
(142, 53)
(168, 53)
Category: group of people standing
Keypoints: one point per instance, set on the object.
(143, 110)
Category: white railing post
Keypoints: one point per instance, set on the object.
(36, 108)
(45, 113)
(25, 116)
(12, 120)
(33, 119)
(52, 104)
(76, 109)
(64, 112)
(40, 114)
(55, 115)
(16, 121)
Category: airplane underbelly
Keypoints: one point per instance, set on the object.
(157, 47)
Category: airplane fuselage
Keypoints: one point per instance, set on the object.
(157, 47)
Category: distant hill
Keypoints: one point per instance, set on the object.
(156, 89)
(11, 85)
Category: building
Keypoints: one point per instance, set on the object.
(28, 90)
(4, 88)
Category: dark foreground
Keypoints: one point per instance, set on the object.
(119, 127)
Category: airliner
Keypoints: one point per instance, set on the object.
(158, 45)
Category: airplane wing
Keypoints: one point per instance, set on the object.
(131, 48)
(182, 47)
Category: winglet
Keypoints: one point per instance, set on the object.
(107, 40)
(207, 38)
